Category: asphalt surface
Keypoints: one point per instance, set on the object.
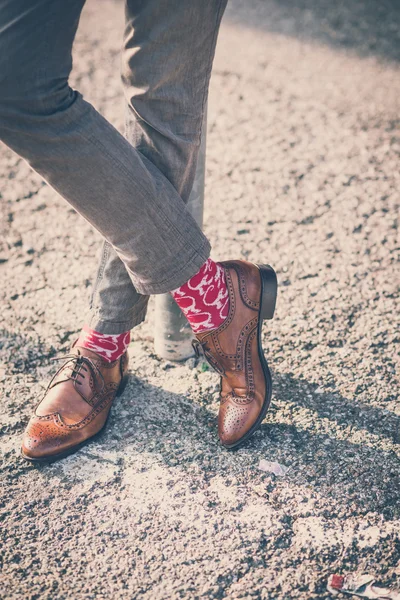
(303, 173)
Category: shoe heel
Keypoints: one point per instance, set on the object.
(269, 290)
(122, 385)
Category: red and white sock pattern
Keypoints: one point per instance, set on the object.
(204, 299)
(108, 346)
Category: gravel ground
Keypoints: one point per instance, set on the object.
(302, 172)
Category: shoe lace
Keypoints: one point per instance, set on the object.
(203, 348)
(80, 365)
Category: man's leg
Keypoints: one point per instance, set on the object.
(116, 188)
(166, 67)
(166, 64)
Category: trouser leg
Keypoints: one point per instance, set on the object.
(166, 63)
(115, 304)
(120, 191)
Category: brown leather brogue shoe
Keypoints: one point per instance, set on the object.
(75, 406)
(234, 350)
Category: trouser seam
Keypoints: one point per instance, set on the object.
(100, 273)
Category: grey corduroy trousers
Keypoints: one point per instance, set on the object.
(132, 189)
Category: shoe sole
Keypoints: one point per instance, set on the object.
(69, 451)
(269, 290)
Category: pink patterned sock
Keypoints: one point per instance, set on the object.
(108, 346)
(204, 299)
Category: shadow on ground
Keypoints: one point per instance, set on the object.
(362, 475)
(367, 27)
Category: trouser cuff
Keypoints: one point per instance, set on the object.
(95, 321)
(176, 277)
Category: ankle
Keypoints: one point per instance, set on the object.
(109, 346)
(204, 298)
